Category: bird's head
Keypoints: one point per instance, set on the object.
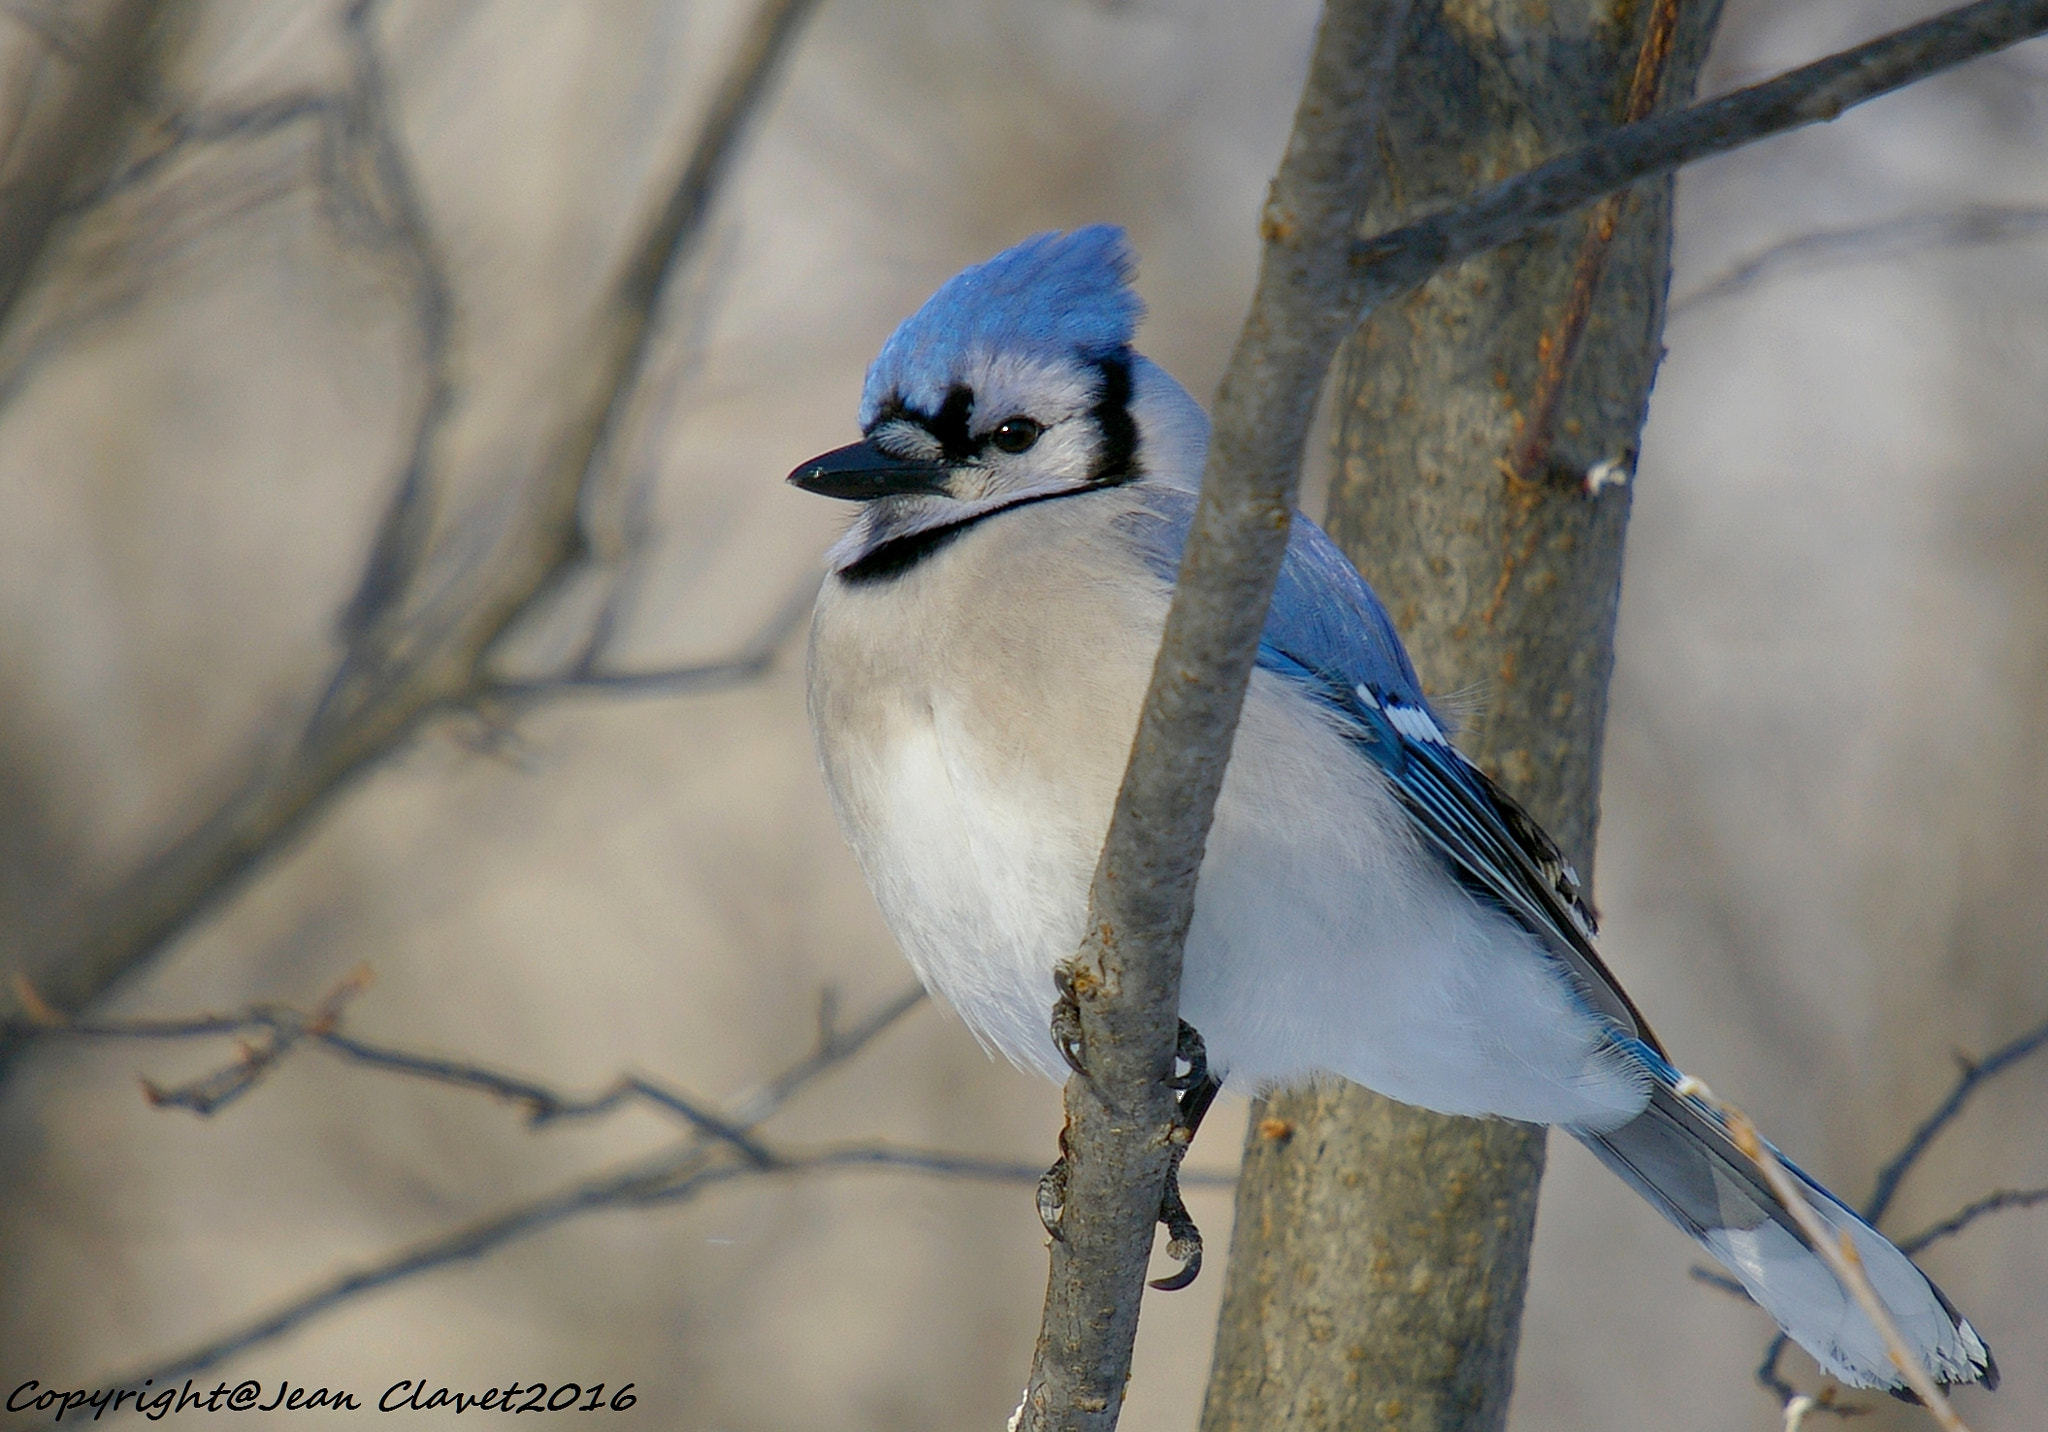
(1015, 382)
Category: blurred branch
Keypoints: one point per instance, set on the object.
(672, 1177)
(720, 1147)
(414, 647)
(718, 1150)
(45, 153)
(1973, 1075)
(588, 674)
(1969, 1213)
(1400, 259)
(1839, 1253)
(1973, 225)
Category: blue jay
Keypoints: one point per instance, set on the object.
(1370, 905)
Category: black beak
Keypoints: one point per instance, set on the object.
(861, 471)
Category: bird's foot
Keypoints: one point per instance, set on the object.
(1066, 1020)
(1183, 1239)
(1189, 1049)
(1052, 1193)
(1199, 1088)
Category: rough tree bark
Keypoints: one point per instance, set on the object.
(1381, 1252)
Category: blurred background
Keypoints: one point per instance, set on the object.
(331, 228)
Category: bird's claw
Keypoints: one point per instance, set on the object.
(1052, 1193)
(1189, 1049)
(1066, 1021)
(1198, 1090)
(1183, 1239)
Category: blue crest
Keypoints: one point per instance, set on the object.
(1053, 296)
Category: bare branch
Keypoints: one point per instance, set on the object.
(673, 1177)
(1813, 93)
(371, 177)
(1973, 225)
(1974, 1074)
(1839, 1252)
(284, 1028)
(1969, 1213)
(587, 676)
(45, 164)
(720, 1148)
(1972, 1077)
(1316, 283)
(1126, 976)
(410, 656)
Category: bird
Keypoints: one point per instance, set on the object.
(1370, 904)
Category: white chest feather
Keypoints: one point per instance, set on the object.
(973, 717)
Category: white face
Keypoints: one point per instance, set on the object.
(1013, 430)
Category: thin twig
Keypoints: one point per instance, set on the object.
(1972, 225)
(1970, 1212)
(1313, 290)
(720, 1149)
(750, 662)
(428, 650)
(1839, 1251)
(1971, 1077)
(670, 1176)
(285, 1028)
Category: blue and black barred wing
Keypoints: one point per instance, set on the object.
(1327, 631)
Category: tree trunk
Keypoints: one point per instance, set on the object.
(1381, 1252)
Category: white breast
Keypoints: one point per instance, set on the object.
(974, 715)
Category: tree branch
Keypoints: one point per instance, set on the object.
(1969, 1213)
(1866, 243)
(720, 1146)
(588, 676)
(1315, 285)
(1840, 1254)
(101, 71)
(412, 653)
(1127, 973)
(1972, 1076)
(1510, 210)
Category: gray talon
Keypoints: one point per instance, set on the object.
(1184, 1240)
(1199, 1088)
(1066, 1021)
(1052, 1197)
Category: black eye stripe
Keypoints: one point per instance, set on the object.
(948, 426)
(1119, 459)
(1112, 414)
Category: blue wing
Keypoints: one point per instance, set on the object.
(1328, 633)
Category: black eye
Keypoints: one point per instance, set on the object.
(1016, 434)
